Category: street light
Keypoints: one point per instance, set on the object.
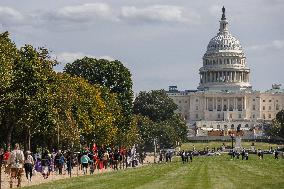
(155, 149)
(232, 137)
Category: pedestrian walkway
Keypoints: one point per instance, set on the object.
(38, 178)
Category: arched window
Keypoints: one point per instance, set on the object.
(232, 126)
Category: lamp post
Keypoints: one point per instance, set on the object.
(155, 149)
(232, 137)
(71, 158)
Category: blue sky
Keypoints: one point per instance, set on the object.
(161, 41)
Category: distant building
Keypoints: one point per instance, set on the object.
(225, 101)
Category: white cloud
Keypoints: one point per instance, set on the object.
(68, 57)
(9, 16)
(164, 13)
(83, 13)
(275, 44)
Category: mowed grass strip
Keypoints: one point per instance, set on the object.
(217, 144)
(203, 172)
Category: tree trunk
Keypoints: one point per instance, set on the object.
(9, 129)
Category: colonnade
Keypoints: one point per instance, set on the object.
(224, 76)
(225, 103)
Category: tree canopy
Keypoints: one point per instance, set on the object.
(49, 108)
(277, 127)
(154, 104)
(157, 120)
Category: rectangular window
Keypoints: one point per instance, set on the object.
(253, 116)
(231, 115)
(263, 116)
(196, 116)
(253, 107)
(219, 108)
(240, 115)
(263, 101)
(269, 115)
(218, 115)
(196, 108)
(263, 108)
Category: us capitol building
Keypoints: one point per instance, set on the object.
(224, 100)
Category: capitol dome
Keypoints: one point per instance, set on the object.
(224, 63)
(224, 41)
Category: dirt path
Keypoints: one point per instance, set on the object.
(38, 179)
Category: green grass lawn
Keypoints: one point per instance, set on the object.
(204, 172)
(216, 144)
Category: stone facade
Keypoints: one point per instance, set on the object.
(225, 100)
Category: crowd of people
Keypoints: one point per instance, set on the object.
(16, 162)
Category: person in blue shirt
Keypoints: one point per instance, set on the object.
(85, 162)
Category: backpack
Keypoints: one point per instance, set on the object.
(17, 158)
(61, 160)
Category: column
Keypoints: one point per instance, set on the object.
(228, 76)
(235, 76)
(222, 104)
(228, 104)
(248, 77)
(206, 103)
(218, 76)
(235, 104)
(231, 76)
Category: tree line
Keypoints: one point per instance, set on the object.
(90, 101)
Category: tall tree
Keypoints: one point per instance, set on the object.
(277, 126)
(154, 104)
(9, 54)
(157, 120)
(110, 74)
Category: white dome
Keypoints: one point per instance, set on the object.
(224, 41)
(224, 63)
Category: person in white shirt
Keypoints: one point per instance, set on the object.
(16, 162)
(29, 162)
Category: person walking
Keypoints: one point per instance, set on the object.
(276, 153)
(29, 162)
(85, 162)
(69, 163)
(61, 163)
(45, 163)
(16, 163)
